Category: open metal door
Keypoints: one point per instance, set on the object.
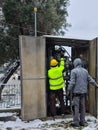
(32, 52)
(92, 91)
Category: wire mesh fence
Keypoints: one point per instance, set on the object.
(11, 97)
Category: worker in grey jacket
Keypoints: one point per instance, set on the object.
(78, 85)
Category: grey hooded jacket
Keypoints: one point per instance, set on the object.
(79, 78)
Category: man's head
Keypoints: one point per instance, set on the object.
(77, 62)
(53, 63)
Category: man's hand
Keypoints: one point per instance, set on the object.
(97, 85)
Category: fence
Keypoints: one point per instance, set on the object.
(11, 97)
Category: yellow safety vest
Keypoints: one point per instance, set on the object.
(55, 75)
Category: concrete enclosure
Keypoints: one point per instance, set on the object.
(35, 53)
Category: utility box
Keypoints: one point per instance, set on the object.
(35, 53)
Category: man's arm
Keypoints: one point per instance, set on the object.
(62, 63)
(92, 81)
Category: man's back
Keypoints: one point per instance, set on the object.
(79, 78)
(55, 75)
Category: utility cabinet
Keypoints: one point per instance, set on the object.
(35, 53)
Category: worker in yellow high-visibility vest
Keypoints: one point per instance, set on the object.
(56, 84)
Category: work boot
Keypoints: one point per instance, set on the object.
(83, 124)
(75, 125)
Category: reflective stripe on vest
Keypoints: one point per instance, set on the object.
(57, 84)
(56, 78)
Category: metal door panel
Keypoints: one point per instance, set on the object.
(92, 91)
(33, 79)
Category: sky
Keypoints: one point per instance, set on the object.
(83, 18)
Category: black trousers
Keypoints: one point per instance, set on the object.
(53, 95)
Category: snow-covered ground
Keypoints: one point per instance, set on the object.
(10, 121)
(38, 124)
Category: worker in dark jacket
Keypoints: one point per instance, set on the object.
(56, 85)
(78, 84)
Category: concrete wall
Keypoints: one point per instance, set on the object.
(32, 52)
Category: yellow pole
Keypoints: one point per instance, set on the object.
(35, 10)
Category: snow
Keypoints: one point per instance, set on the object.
(38, 124)
(10, 121)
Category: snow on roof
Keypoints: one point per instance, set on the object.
(65, 37)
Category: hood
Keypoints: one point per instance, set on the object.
(77, 62)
